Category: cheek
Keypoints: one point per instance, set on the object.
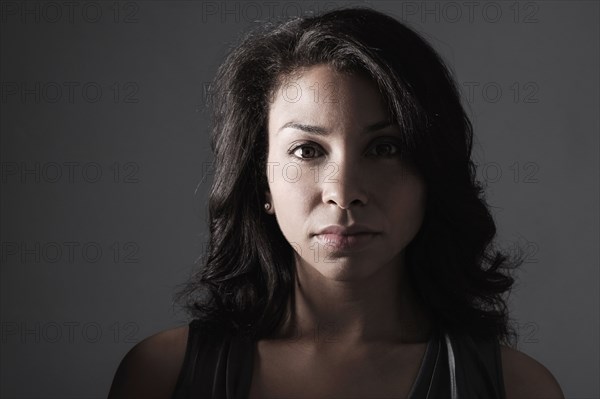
(407, 204)
(292, 187)
(285, 176)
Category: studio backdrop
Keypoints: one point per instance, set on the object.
(106, 166)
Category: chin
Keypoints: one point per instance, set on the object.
(345, 269)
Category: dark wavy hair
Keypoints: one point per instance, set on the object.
(247, 272)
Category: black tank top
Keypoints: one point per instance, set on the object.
(219, 365)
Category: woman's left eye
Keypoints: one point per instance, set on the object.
(389, 145)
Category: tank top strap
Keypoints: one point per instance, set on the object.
(200, 364)
(433, 380)
(459, 367)
(478, 366)
(215, 365)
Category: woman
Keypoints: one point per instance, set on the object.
(350, 249)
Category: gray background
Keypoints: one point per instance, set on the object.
(119, 89)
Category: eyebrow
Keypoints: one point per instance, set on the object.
(321, 131)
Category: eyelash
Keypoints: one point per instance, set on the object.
(310, 145)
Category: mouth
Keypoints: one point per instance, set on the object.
(346, 242)
(354, 229)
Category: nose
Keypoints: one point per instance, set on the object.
(344, 186)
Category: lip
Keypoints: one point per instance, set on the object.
(346, 230)
(341, 242)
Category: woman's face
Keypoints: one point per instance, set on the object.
(350, 173)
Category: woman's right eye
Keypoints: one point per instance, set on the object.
(303, 156)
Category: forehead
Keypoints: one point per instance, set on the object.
(320, 91)
(321, 85)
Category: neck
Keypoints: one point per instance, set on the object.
(381, 308)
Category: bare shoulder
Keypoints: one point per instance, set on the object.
(525, 377)
(151, 368)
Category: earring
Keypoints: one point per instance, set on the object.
(267, 206)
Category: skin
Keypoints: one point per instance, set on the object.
(349, 176)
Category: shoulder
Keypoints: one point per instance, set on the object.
(151, 368)
(525, 377)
